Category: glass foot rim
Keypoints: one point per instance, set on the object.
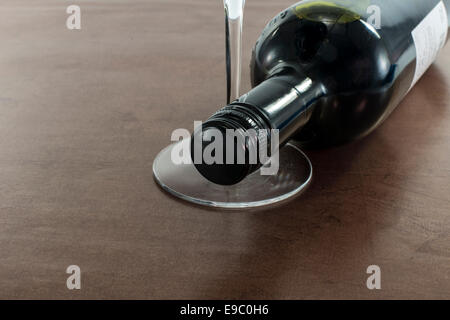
(236, 205)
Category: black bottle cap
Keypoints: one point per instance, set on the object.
(219, 172)
(236, 155)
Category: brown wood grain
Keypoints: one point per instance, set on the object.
(84, 113)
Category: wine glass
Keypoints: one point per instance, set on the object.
(185, 182)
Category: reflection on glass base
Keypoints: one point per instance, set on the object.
(184, 181)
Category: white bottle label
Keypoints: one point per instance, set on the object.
(429, 38)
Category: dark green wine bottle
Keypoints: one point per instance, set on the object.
(328, 72)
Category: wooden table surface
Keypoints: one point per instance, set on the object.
(83, 113)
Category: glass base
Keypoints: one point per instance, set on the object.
(256, 190)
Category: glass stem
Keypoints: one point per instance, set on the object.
(234, 13)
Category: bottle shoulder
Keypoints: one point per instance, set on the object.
(331, 44)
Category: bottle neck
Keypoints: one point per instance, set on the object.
(285, 101)
(282, 102)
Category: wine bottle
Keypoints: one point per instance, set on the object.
(328, 72)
